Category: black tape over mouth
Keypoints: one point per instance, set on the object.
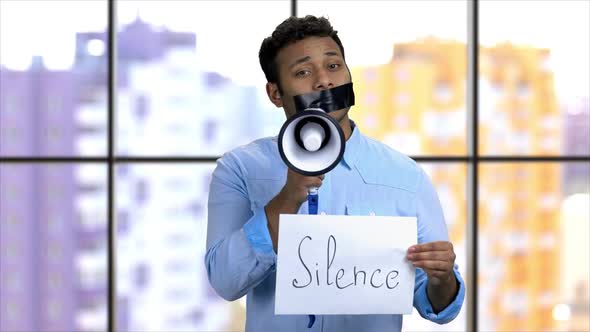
(327, 100)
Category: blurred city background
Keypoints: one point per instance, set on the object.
(189, 84)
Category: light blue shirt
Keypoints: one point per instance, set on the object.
(371, 179)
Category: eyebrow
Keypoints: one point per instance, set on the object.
(307, 58)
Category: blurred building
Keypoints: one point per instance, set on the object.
(167, 105)
(520, 115)
(576, 142)
(43, 248)
(416, 104)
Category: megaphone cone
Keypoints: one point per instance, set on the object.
(311, 142)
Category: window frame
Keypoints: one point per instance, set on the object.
(472, 159)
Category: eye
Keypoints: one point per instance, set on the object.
(333, 66)
(302, 73)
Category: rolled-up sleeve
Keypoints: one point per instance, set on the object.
(432, 227)
(424, 307)
(239, 252)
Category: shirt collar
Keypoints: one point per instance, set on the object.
(351, 151)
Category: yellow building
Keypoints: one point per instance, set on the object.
(520, 116)
(416, 104)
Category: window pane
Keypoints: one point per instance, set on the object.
(53, 235)
(408, 65)
(534, 84)
(53, 78)
(449, 180)
(162, 283)
(533, 247)
(188, 85)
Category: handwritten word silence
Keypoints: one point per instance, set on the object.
(377, 279)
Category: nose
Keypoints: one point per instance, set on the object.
(323, 80)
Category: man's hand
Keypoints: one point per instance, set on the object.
(437, 259)
(295, 190)
(288, 200)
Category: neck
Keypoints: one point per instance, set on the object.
(346, 127)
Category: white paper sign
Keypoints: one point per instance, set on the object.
(344, 265)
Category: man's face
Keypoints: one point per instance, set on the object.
(309, 65)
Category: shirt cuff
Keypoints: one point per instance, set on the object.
(447, 314)
(257, 233)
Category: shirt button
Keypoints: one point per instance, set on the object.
(323, 213)
(433, 316)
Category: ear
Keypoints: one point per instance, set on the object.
(272, 90)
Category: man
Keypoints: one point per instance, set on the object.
(251, 187)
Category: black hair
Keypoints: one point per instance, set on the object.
(290, 31)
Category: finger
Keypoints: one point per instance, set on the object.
(314, 182)
(436, 273)
(444, 256)
(434, 265)
(431, 246)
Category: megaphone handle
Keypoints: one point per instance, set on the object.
(312, 200)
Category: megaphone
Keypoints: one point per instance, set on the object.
(311, 142)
